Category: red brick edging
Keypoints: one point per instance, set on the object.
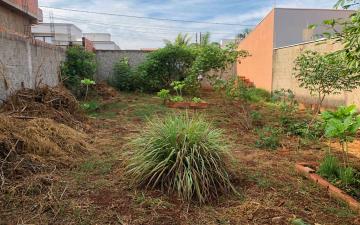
(305, 170)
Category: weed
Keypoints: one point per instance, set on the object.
(145, 111)
(347, 176)
(268, 138)
(90, 107)
(329, 167)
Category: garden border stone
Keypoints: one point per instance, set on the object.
(305, 170)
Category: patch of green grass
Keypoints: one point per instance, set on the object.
(103, 115)
(102, 167)
(146, 111)
(114, 106)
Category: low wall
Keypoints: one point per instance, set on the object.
(27, 63)
(283, 74)
(106, 60)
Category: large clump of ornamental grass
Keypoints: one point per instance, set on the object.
(182, 155)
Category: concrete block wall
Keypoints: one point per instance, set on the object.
(106, 60)
(283, 74)
(27, 63)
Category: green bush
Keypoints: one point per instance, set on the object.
(79, 64)
(165, 65)
(258, 95)
(124, 78)
(182, 155)
(269, 138)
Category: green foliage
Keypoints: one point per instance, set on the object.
(212, 58)
(310, 130)
(288, 107)
(269, 138)
(79, 64)
(329, 167)
(256, 118)
(177, 98)
(347, 176)
(324, 75)
(340, 175)
(90, 107)
(164, 94)
(345, 4)
(236, 90)
(197, 100)
(165, 65)
(342, 125)
(182, 155)
(87, 83)
(124, 78)
(178, 86)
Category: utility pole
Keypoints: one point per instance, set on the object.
(200, 38)
(196, 37)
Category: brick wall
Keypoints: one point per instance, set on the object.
(283, 75)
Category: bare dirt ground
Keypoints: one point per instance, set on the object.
(94, 190)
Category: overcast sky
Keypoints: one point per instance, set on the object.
(134, 33)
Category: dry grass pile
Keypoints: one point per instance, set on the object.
(34, 146)
(53, 103)
(105, 91)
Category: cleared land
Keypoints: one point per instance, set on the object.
(90, 187)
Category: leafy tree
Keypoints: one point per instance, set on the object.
(324, 75)
(349, 35)
(79, 64)
(212, 58)
(345, 4)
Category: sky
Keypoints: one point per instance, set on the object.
(137, 33)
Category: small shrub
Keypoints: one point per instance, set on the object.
(342, 125)
(197, 100)
(164, 95)
(329, 167)
(79, 64)
(181, 155)
(269, 138)
(123, 77)
(177, 99)
(91, 106)
(256, 118)
(87, 83)
(258, 95)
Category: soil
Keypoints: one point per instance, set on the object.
(95, 190)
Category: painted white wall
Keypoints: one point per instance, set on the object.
(62, 31)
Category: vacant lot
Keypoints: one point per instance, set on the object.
(94, 190)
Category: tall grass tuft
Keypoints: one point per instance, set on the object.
(184, 155)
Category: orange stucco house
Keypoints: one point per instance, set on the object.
(282, 27)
